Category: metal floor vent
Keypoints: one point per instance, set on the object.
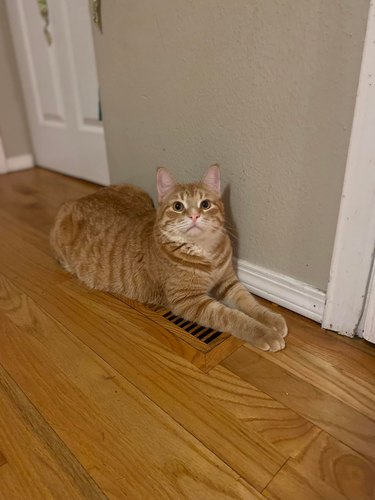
(202, 346)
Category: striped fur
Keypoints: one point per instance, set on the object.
(115, 240)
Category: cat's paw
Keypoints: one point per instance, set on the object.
(267, 339)
(278, 323)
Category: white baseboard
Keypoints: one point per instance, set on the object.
(20, 162)
(292, 294)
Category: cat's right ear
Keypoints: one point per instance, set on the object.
(164, 182)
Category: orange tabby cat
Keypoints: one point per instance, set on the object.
(177, 255)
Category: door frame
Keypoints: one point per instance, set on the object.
(3, 161)
(353, 252)
(367, 323)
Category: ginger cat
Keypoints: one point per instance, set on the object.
(177, 255)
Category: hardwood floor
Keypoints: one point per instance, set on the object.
(93, 405)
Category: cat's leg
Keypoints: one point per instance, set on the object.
(204, 310)
(234, 294)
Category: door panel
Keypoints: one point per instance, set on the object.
(60, 87)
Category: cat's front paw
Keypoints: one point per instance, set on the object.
(278, 323)
(267, 339)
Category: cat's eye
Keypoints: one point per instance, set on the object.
(178, 206)
(205, 204)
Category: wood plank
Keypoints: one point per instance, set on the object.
(285, 429)
(280, 426)
(325, 411)
(25, 207)
(43, 466)
(127, 347)
(33, 197)
(288, 484)
(11, 488)
(298, 323)
(357, 392)
(50, 188)
(22, 258)
(3, 460)
(337, 465)
(108, 434)
(354, 356)
(10, 225)
(348, 357)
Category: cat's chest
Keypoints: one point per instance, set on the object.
(216, 275)
(212, 263)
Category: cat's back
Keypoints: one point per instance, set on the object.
(106, 205)
(87, 230)
(123, 199)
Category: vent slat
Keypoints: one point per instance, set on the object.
(204, 334)
(189, 328)
(167, 314)
(214, 336)
(184, 324)
(177, 321)
(197, 330)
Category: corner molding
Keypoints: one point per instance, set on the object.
(292, 294)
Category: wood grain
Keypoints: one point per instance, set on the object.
(351, 389)
(125, 348)
(109, 438)
(341, 421)
(288, 484)
(337, 465)
(285, 429)
(41, 462)
(354, 356)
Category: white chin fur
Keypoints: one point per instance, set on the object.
(194, 231)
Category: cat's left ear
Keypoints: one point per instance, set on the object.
(211, 178)
(164, 182)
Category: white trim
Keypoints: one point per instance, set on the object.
(15, 162)
(3, 161)
(283, 290)
(355, 234)
(20, 162)
(367, 325)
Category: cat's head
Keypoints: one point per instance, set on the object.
(190, 212)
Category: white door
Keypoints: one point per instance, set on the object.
(60, 86)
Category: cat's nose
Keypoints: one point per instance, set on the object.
(194, 217)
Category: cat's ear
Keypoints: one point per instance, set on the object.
(211, 178)
(164, 182)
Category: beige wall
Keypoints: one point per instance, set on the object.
(13, 125)
(264, 87)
